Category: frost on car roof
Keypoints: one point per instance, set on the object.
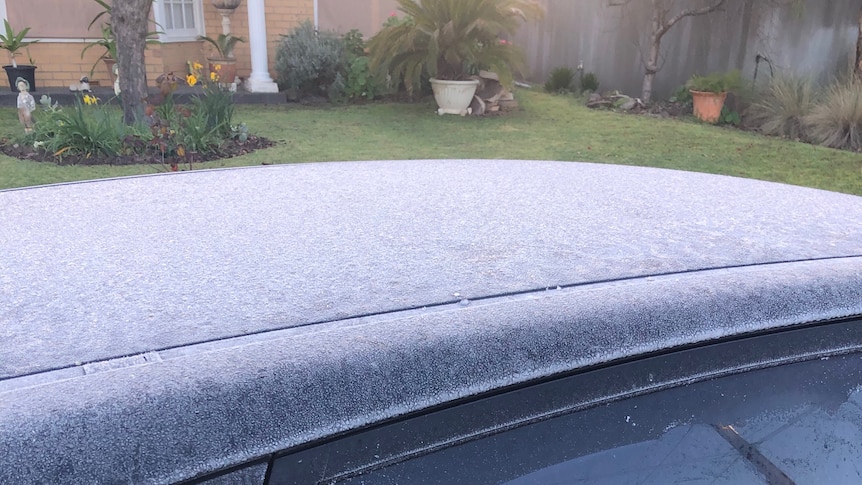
(160, 328)
(107, 269)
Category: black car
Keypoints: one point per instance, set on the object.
(445, 322)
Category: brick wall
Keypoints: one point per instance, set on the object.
(60, 63)
(281, 17)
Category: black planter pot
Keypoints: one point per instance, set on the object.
(25, 71)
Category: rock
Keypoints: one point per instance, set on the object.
(507, 105)
(628, 105)
(489, 75)
(477, 106)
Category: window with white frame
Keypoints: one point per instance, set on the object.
(179, 20)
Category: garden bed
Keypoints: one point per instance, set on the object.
(232, 147)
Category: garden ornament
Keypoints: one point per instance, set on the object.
(26, 104)
(116, 80)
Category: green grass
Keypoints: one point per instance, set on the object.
(547, 128)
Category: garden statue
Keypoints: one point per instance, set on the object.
(83, 85)
(116, 80)
(26, 104)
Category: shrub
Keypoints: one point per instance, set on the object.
(450, 39)
(560, 80)
(717, 82)
(681, 95)
(87, 128)
(216, 104)
(90, 129)
(780, 109)
(360, 81)
(590, 82)
(837, 121)
(309, 61)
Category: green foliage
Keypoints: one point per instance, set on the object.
(217, 106)
(354, 44)
(447, 39)
(836, 122)
(590, 82)
(729, 117)
(13, 41)
(310, 62)
(547, 128)
(198, 128)
(107, 41)
(560, 80)
(681, 95)
(717, 82)
(360, 81)
(83, 129)
(315, 63)
(88, 128)
(224, 44)
(780, 109)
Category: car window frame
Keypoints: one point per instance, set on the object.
(410, 436)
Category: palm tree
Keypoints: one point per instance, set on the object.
(451, 39)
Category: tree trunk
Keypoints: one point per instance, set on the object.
(129, 20)
(660, 26)
(859, 49)
(651, 63)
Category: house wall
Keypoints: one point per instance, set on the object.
(61, 26)
(365, 15)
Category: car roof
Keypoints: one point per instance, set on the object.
(182, 287)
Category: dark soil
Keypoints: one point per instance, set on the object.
(228, 149)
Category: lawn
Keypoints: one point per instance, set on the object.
(546, 128)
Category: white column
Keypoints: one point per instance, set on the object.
(259, 81)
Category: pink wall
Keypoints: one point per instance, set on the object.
(366, 15)
(54, 18)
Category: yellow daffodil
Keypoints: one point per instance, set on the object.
(214, 76)
(218, 67)
(191, 79)
(90, 100)
(197, 66)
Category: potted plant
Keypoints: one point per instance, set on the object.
(12, 42)
(108, 42)
(223, 63)
(109, 57)
(708, 93)
(449, 41)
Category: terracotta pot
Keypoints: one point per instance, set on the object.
(707, 105)
(226, 69)
(454, 97)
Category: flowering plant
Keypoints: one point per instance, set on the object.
(216, 102)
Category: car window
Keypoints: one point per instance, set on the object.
(795, 423)
(779, 407)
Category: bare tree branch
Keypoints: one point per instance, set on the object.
(691, 12)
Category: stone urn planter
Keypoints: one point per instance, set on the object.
(226, 4)
(454, 97)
